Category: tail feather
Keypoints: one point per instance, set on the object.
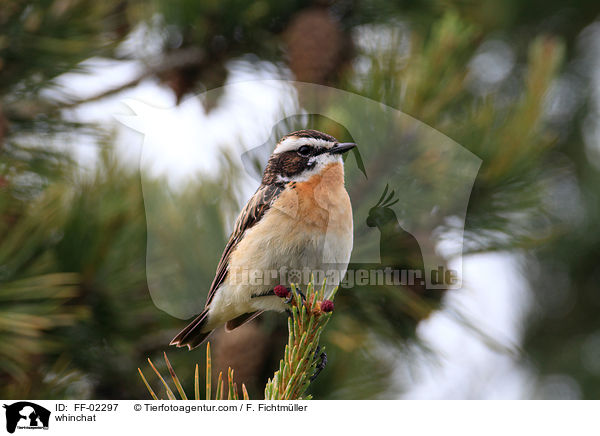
(192, 335)
(241, 320)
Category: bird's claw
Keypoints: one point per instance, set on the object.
(290, 297)
(299, 293)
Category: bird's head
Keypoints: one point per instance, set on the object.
(302, 154)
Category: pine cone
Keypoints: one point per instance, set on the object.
(315, 45)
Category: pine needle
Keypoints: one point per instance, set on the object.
(208, 372)
(147, 385)
(196, 384)
(170, 394)
(175, 379)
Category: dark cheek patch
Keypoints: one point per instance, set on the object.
(293, 164)
(286, 164)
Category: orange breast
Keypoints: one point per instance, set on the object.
(320, 202)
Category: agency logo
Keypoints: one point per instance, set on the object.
(24, 415)
(409, 187)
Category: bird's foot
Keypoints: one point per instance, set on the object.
(290, 297)
(281, 291)
(321, 364)
(299, 291)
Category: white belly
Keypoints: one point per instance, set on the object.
(283, 257)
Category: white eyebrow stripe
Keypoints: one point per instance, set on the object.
(293, 142)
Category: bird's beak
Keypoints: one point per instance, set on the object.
(342, 148)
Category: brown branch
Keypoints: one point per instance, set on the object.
(179, 59)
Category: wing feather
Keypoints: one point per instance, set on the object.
(252, 213)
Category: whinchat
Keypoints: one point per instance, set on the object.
(299, 219)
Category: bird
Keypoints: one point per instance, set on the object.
(299, 219)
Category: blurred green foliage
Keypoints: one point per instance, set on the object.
(76, 316)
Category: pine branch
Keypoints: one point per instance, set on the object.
(178, 59)
(302, 356)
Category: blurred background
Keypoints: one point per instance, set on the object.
(515, 83)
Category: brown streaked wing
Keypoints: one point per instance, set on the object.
(252, 213)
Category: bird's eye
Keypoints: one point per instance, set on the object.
(304, 150)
